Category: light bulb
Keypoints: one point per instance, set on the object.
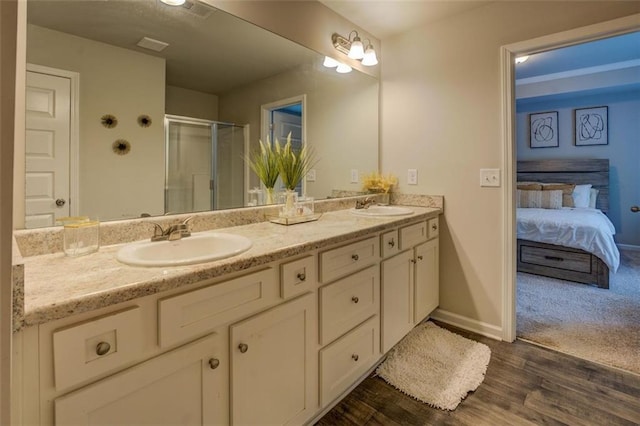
(173, 2)
(330, 62)
(369, 57)
(521, 59)
(343, 68)
(357, 49)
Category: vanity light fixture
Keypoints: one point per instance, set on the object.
(521, 59)
(354, 48)
(173, 2)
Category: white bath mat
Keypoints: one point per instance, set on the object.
(436, 366)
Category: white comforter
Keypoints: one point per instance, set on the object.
(586, 229)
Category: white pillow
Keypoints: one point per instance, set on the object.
(593, 197)
(581, 195)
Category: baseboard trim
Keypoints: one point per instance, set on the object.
(628, 247)
(469, 324)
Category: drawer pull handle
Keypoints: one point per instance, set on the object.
(103, 348)
(391, 243)
(557, 259)
(355, 357)
(214, 363)
(302, 276)
(355, 299)
(243, 347)
(355, 257)
(419, 257)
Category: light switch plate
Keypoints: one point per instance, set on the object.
(490, 177)
(412, 176)
(311, 175)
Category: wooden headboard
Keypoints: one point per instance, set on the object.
(578, 171)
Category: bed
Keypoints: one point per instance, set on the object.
(571, 244)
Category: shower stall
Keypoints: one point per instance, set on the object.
(205, 166)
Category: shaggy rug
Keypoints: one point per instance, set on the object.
(436, 366)
(582, 320)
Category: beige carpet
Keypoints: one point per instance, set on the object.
(436, 366)
(586, 321)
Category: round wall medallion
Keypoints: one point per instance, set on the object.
(109, 121)
(144, 121)
(121, 147)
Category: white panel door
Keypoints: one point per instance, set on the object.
(48, 135)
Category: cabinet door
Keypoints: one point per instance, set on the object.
(274, 368)
(182, 387)
(427, 286)
(397, 298)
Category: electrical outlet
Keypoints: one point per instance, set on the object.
(490, 177)
(354, 176)
(311, 175)
(412, 176)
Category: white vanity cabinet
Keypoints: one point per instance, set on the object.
(182, 386)
(410, 286)
(274, 374)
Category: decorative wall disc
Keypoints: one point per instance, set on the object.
(109, 121)
(144, 121)
(121, 146)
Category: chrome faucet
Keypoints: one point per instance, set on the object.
(364, 204)
(173, 232)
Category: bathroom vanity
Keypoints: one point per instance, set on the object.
(276, 335)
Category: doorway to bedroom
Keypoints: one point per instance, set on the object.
(579, 102)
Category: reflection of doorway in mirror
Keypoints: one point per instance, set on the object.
(50, 143)
(286, 117)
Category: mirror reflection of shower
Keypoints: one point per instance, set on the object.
(200, 154)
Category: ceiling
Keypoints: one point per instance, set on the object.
(209, 50)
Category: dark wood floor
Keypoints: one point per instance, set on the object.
(524, 385)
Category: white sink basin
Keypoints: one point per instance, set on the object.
(377, 211)
(197, 248)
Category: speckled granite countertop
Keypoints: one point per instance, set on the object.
(57, 286)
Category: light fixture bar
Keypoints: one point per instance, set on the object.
(341, 44)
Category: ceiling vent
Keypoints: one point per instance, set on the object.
(152, 44)
(199, 9)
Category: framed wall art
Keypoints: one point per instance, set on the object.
(591, 126)
(543, 129)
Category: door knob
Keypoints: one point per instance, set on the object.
(635, 209)
(60, 202)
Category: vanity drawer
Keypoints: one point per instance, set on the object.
(560, 259)
(348, 358)
(344, 260)
(347, 302)
(297, 277)
(433, 227)
(96, 346)
(389, 243)
(197, 312)
(412, 235)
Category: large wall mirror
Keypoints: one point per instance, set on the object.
(140, 108)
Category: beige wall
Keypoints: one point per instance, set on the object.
(125, 84)
(191, 103)
(341, 120)
(441, 114)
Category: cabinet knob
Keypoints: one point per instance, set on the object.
(355, 257)
(391, 243)
(434, 227)
(214, 363)
(103, 348)
(419, 257)
(355, 299)
(243, 347)
(355, 357)
(301, 276)
(413, 261)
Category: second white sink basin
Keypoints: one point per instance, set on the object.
(382, 211)
(197, 248)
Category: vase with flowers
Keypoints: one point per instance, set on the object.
(377, 183)
(264, 162)
(293, 167)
